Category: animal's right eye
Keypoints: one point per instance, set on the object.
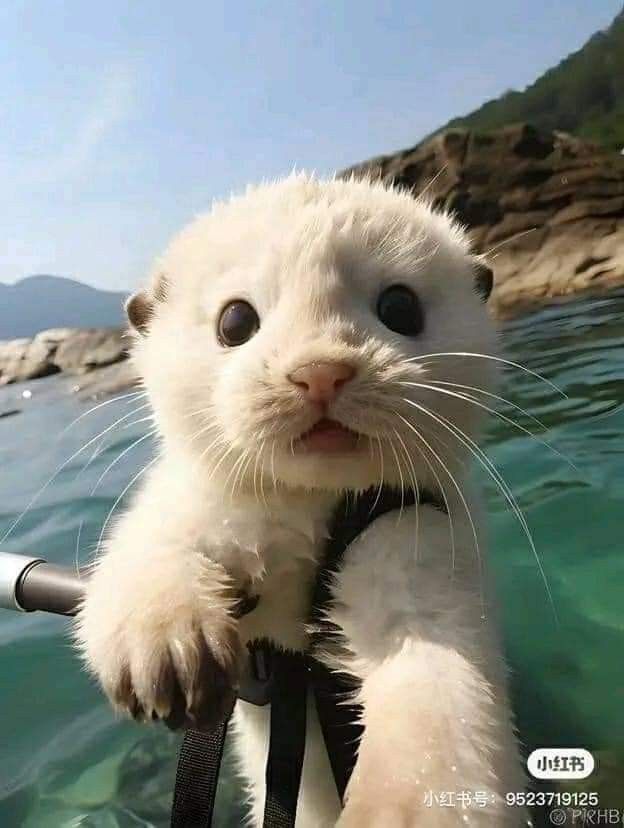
(238, 323)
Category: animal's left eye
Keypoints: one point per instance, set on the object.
(238, 323)
(400, 310)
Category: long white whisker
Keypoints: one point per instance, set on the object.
(370, 448)
(77, 555)
(493, 472)
(447, 505)
(515, 237)
(246, 468)
(381, 475)
(119, 457)
(494, 359)
(255, 470)
(208, 427)
(462, 498)
(262, 492)
(64, 465)
(414, 480)
(226, 453)
(257, 460)
(489, 394)
(200, 411)
(121, 496)
(149, 419)
(398, 464)
(101, 405)
(442, 492)
(236, 467)
(469, 398)
(95, 453)
(217, 439)
(432, 181)
(233, 471)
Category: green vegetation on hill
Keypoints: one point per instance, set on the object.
(583, 95)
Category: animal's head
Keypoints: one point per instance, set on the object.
(308, 333)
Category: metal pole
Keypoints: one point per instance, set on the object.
(30, 584)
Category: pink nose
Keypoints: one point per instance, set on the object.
(321, 381)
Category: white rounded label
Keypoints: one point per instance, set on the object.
(560, 763)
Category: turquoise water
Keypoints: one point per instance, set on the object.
(64, 759)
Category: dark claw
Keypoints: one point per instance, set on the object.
(176, 719)
(136, 709)
(125, 696)
(212, 696)
(245, 604)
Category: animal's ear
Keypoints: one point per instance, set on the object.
(483, 280)
(140, 308)
(141, 305)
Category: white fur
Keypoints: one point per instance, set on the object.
(229, 504)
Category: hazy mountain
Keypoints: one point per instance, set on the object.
(40, 302)
(584, 94)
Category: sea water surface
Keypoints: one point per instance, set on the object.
(66, 761)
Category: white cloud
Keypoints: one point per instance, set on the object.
(112, 105)
(45, 224)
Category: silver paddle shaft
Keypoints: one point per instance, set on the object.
(29, 584)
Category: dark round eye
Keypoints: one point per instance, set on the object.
(399, 309)
(238, 323)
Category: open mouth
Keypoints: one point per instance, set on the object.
(327, 437)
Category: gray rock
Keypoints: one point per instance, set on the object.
(86, 350)
(25, 359)
(70, 350)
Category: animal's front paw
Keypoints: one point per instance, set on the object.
(152, 663)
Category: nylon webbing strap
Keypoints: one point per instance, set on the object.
(287, 740)
(340, 720)
(196, 778)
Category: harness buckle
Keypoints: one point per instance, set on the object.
(256, 685)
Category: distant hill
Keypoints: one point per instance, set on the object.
(40, 302)
(583, 95)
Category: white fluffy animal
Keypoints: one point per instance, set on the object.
(307, 338)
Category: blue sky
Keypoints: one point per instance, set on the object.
(119, 121)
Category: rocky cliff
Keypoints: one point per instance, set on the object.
(547, 208)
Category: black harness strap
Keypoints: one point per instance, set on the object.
(339, 719)
(340, 723)
(287, 739)
(283, 678)
(196, 778)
